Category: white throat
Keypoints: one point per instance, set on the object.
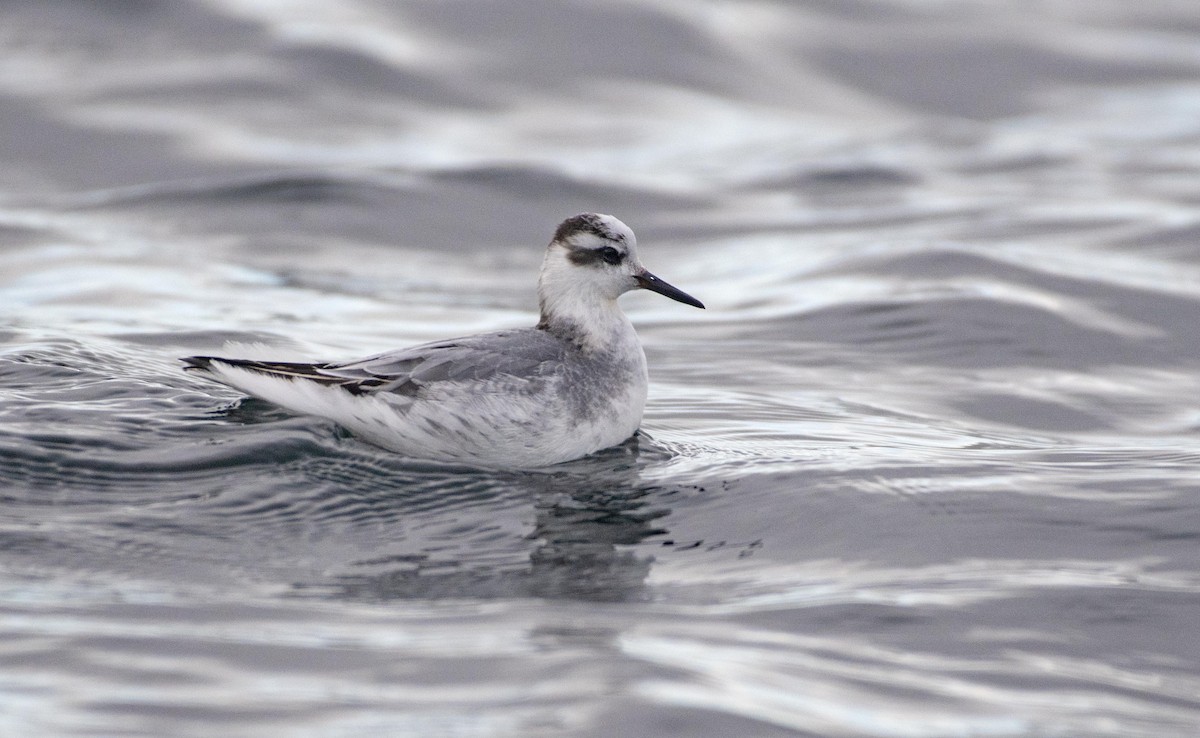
(576, 307)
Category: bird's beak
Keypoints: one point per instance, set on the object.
(648, 281)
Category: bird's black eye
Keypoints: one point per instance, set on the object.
(611, 255)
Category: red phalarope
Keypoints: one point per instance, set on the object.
(530, 397)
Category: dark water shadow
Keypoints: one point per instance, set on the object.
(587, 515)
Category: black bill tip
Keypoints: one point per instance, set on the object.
(648, 281)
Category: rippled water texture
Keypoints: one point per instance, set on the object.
(927, 466)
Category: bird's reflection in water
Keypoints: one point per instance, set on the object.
(587, 516)
(581, 527)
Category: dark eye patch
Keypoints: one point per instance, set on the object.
(606, 254)
(611, 255)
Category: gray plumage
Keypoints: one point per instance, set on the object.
(574, 384)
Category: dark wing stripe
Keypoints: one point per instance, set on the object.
(319, 373)
(290, 370)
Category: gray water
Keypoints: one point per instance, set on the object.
(927, 466)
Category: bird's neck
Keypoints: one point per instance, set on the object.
(587, 321)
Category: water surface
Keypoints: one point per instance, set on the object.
(925, 467)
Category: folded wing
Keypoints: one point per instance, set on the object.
(524, 353)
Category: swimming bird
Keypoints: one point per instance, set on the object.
(572, 385)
